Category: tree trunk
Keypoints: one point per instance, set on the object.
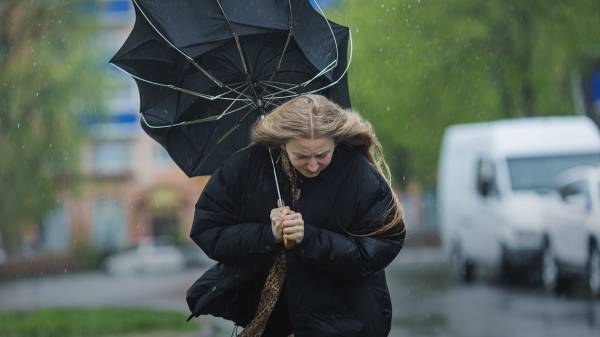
(527, 50)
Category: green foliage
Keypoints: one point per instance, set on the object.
(49, 75)
(421, 65)
(90, 322)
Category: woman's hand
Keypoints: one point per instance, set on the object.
(293, 227)
(276, 221)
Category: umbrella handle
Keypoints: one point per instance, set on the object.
(286, 243)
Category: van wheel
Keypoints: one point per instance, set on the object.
(551, 277)
(463, 268)
(593, 271)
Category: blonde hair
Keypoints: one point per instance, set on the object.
(314, 116)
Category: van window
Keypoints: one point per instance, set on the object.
(486, 178)
(539, 173)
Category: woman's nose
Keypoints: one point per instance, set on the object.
(312, 166)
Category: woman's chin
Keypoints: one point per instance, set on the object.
(310, 175)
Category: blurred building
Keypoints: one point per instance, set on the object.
(131, 188)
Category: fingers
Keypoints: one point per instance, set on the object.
(292, 223)
(292, 216)
(293, 230)
(295, 233)
(280, 210)
(277, 213)
(287, 224)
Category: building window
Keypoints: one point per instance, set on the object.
(55, 230)
(109, 225)
(111, 157)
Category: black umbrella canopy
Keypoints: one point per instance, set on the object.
(206, 70)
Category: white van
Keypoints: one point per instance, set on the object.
(493, 179)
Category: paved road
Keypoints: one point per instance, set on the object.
(426, 301)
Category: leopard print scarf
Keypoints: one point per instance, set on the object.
(276, 277)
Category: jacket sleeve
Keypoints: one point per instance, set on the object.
(354, 256)
(216, 227)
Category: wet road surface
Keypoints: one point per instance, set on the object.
(426, 301)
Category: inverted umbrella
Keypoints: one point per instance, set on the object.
(206, 70)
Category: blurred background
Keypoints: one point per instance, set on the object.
(488, 111)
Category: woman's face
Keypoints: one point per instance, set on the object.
(310, 156)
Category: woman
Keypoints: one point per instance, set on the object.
(342, 222)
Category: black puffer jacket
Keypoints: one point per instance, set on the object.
(336, 283)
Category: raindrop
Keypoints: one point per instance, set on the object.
(18, 125)
(387, 108)
(37, 94)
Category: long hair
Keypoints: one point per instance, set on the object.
(314, 116)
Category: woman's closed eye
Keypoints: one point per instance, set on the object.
(318, 156)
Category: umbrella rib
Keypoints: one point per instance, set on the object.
(202, 120)
(239, 85)
(337, 54)
(223, 137)
(327, 68)
(278, 88)
(187, 91)
(187, 57)
(327, 86)
(198, 121)
(287, 42)
(239, 48)
(237, 125)
(279, 82)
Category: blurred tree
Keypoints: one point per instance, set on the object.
(49, 75)
(421, 65)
